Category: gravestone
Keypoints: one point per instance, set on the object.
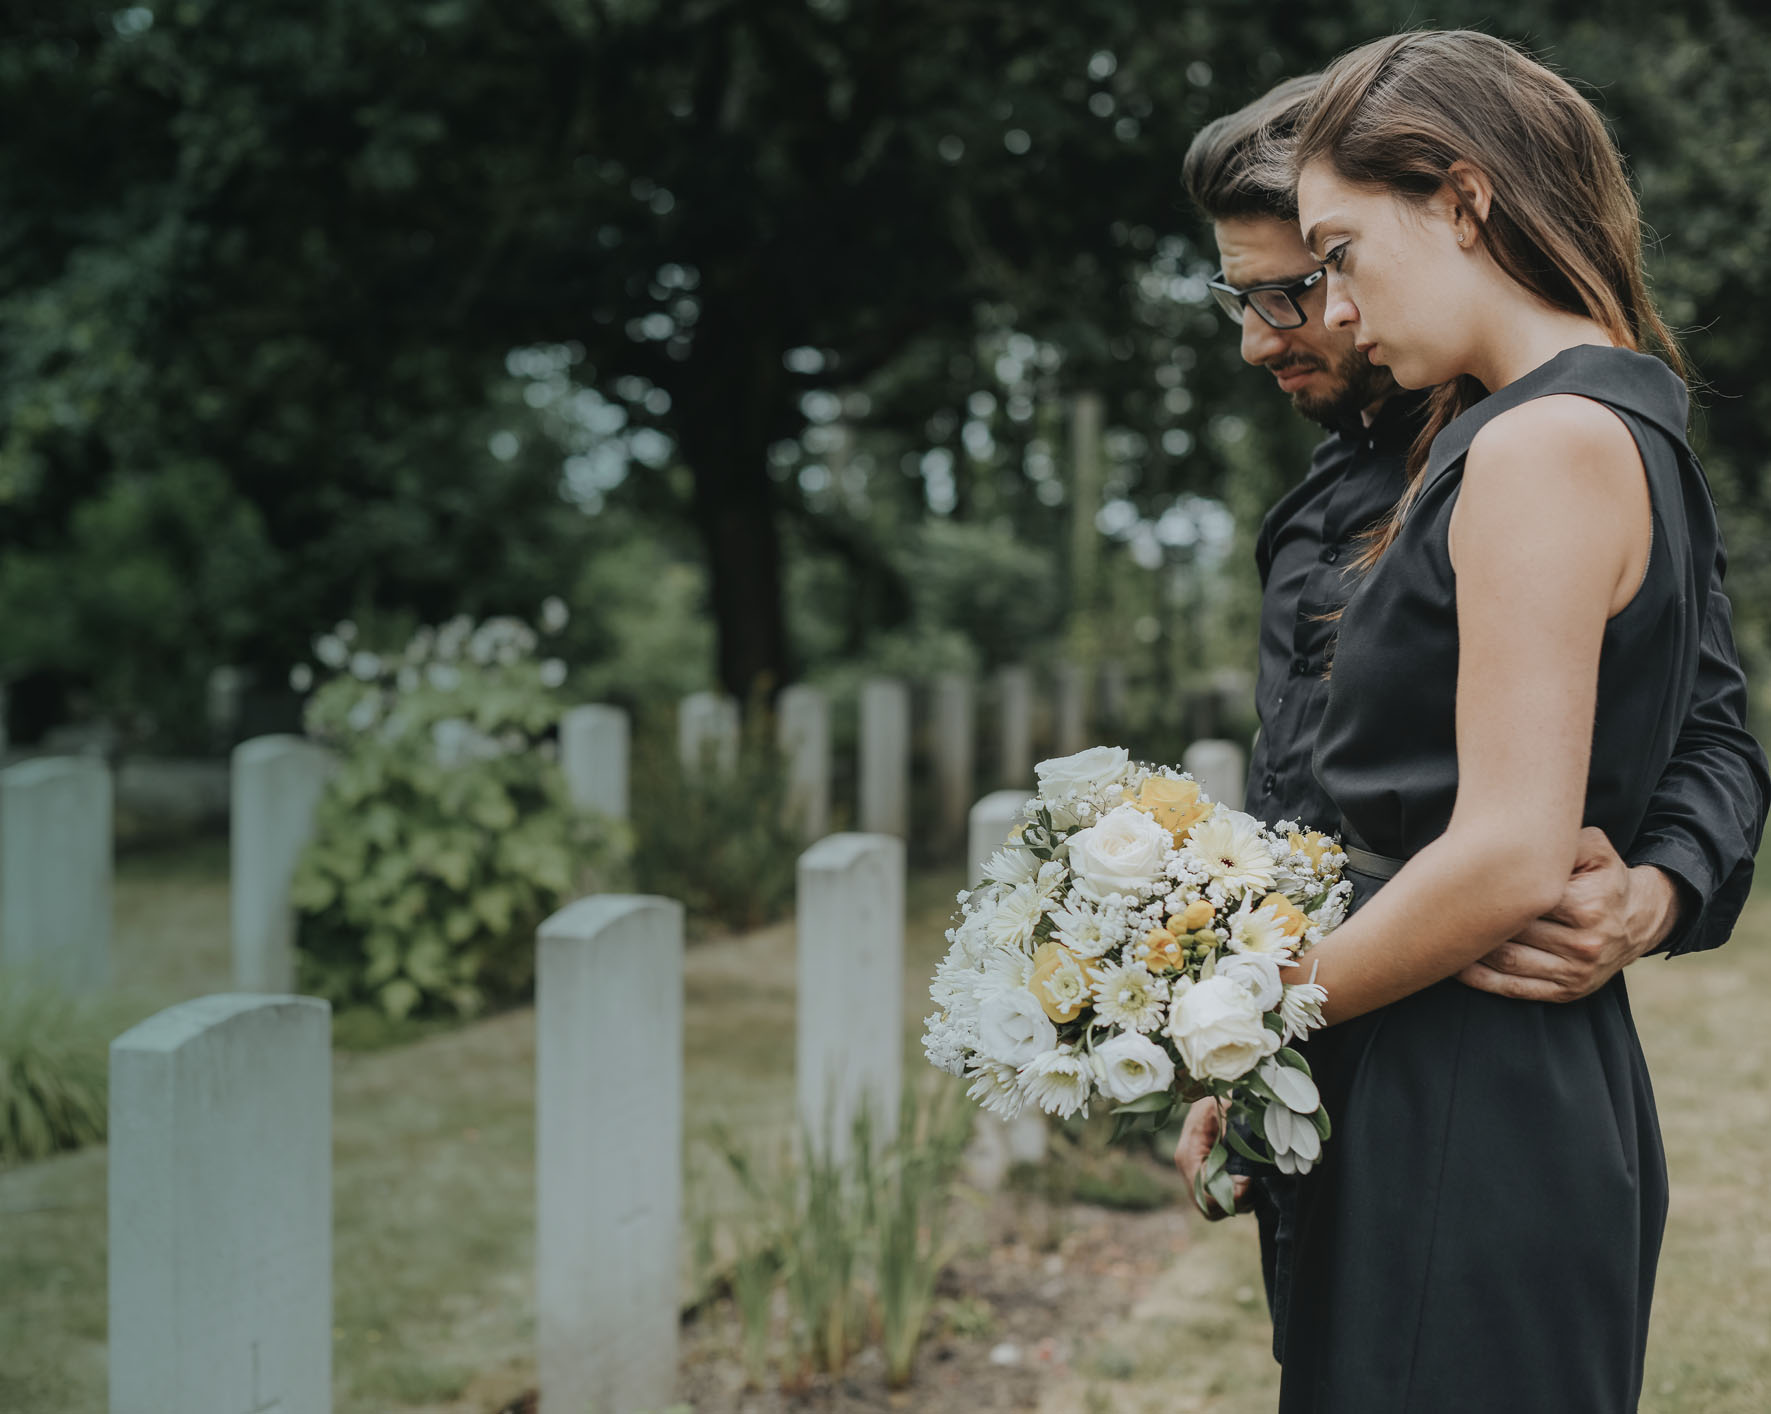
(276, 785)
(707, 730)
(1014, 730)
(608, 1152)
(884, 794)
(1071, 712)
(1220, 769)
(55, 870)
(955, 730)
(850, 1003)
(594, 758)
(220, 1198)
(802, 732)
(988, 827)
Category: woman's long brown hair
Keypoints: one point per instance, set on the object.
(1563, 222)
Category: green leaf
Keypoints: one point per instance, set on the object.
(1243, 1147)
(1145, 1104)
(1294, 1059)
(1320, 1120)
(1222, 1187)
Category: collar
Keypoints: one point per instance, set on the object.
(1392, 431)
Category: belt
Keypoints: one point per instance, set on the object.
(1368, 862)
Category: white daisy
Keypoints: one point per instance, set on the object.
(1300, 1008)
(1012, 865)
(1231, 851)
(1127, 995)
(996, 1087)
(1059, 1082)
(1258, 930)
(1086, 930)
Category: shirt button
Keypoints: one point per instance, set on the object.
(1268, 784)
(1329, 556)
(1299, 666)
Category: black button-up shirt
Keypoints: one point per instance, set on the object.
(1708, 813)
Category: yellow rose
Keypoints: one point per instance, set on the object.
(1175, 805)
(1058, 982)
(1195, 916)
(1313, 843)
(1161, 951)
(1292, 920)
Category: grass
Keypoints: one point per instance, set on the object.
(433, 1154)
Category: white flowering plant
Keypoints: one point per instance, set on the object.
(445, 835)
(1127, 941)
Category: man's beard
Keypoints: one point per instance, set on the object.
(1356, 383)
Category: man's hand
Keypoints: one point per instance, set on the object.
(1610, 914)
(1201, 1129)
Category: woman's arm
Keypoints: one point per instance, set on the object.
(1549, 539)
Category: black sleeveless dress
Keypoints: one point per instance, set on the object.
(1482, 1234)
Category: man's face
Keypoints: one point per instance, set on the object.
(1317, 367)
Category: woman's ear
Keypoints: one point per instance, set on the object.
(1470, 189)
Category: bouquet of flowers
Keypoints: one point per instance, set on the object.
(1128, 939)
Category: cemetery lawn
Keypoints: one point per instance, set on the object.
(433, 1204)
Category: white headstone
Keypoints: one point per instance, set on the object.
(884, 794)
(55, 870)
(608, 1153)
(276, 787)
(988, 827)
(1113, 692)
(707, 726)
(955, 730)
(593, 755)
(1014, 704)
(998, 1143)
(221, 1209)
(850, 1003)
(1071, 713)
(802, 732)
(1219, 768)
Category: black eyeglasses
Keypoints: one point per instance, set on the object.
(1275, 302)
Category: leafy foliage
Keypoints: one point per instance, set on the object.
(720, 841)
(445, 836)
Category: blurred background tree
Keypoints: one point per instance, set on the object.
(754, 328)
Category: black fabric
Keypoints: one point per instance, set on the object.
(1483, 1230)
(1305, 553)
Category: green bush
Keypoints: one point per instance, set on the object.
(54, 1069)
(445, 836)
(719, 841)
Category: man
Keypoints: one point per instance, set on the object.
(1690, 869)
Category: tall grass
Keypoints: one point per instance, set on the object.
(54, 1068)
(855, 1243)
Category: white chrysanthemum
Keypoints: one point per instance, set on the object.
(1066, 988)
(1012, 865)
(1126, 994)
(1301, 1009)
(996, 1087)
(1258, 930)
(1059, 1082)
(1232, 852)
(1130, 1066)
(1052, 877)
(1086, 930)
(1018, 913)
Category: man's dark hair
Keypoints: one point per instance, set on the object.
(1224, 171)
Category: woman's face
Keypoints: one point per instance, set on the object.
(1398, 280)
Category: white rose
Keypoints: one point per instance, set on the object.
(1013, 1028)
(1091, 770)
(1122, 854)
(1218, 1029)
(1130, 1066)
(1256, 973)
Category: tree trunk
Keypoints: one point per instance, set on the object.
(735, 514)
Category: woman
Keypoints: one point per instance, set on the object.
(1514, 665)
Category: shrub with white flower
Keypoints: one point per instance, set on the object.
(1127, 940)
(445, 835)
